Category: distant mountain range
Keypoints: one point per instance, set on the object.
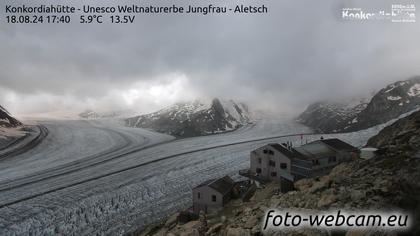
(387, 104)
(7, 120)
(196, 118)
(92, 115)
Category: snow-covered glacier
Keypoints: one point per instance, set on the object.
(97, 177)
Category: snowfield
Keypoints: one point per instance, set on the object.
(98, 177)
(414, 90)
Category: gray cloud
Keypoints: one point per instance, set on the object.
(298, 53)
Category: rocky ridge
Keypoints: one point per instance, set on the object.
(7, 120)
(387, 104)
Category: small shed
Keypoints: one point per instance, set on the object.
(286, 183)
(212, 195)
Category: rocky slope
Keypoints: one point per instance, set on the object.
(387, 104)
(6, 120)
(391, 180)
(331, 117)
(403, 135)
(195, 118)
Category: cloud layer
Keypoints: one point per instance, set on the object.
(301, 51)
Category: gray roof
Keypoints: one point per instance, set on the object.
(338, 145)
(289, 152)
(287, 176)
(222, 185)
(324, 148)
(315, 150)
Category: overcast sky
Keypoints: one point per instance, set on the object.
(300, 52)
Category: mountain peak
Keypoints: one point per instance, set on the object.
(195, 118)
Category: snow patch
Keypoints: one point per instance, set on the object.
(392, 98)
(11, 132)
(389, 88)
(5, 120)
(414, 91)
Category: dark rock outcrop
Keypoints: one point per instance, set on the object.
(6, 120)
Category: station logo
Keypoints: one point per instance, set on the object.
(398, 13)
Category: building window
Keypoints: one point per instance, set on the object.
(258, 170)
(270, 152)
(315, 162)
(213, 198)
(283, 165)
(273, 174)
(259, 160)
(272, 163)
(265, 151)
(198, 195)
